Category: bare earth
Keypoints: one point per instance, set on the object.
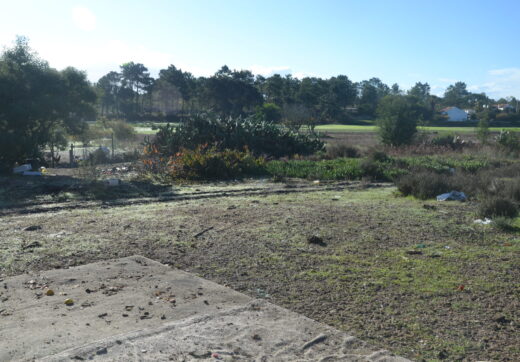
(417, 278)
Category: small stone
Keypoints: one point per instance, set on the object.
(69, 302)
(102, 351)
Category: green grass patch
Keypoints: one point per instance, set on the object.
(338, 169)
(360, 128)
(355, 168)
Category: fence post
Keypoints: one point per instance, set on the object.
(112, 136)
(71, 155)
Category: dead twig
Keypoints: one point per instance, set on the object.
(203, 231)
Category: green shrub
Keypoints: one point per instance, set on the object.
(508, 140)
(372, 169)
(497, 206)
(397, 119)
(260, 137)
(269, 112)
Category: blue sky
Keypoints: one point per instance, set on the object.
(399, 41)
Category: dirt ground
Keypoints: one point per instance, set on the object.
(420, 279)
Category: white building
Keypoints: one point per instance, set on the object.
(454, 114)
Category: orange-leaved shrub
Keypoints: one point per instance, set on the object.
(203, 163)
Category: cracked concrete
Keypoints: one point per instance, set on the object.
(137, 309)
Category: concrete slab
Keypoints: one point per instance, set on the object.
(137, 309)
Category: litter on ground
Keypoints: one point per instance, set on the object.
(452, 196)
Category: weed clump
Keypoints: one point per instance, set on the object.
(341, 150)
(504, 224)
(423, 185)
(498, 206)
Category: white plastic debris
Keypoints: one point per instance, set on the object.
(32, 173)
(22, 168)
(486, 221)
(113, 182)
(452, 196)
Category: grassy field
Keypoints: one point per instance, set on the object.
(340, 128)
(356, 128)
(424, 282)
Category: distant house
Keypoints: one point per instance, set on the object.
(454, 114)
(505, 107)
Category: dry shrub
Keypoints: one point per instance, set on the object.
(204, 163)
(423, 185)
(341, 150)
(498, 206)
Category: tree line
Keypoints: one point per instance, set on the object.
(41, 107)
(175, 94)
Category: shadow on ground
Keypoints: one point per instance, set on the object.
(19, 191)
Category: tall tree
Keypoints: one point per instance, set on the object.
(370, 92)
(37, 102)
(136, 78)
(456, 95)
(231, 93)
(109, 86)
(421, 91)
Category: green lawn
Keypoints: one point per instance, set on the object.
(356, 128)
(147, 130)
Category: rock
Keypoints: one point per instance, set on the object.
(502, 319)
(34, 244)
(315, 239)
(32, 228)
(414, 252)
(102, 351)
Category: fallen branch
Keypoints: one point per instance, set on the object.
(203, 231)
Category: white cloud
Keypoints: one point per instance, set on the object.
(301, 75)
(83, 18)
(437, 90)
(448, 80)
(508, 72)
(501, 83)
(100, 58)
(268, 71)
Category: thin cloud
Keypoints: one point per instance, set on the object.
(83, 18)
(448, 80)
(501, 83)
(267, 71)
(115, 53)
